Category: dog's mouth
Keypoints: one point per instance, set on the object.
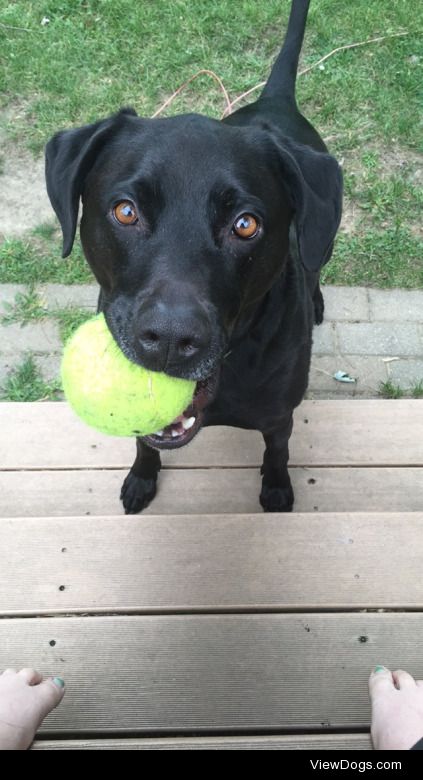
(183, 429)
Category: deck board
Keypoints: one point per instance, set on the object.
(211, 563)
(313, 742)
(349, 433)
(184, 491)
(205, 673)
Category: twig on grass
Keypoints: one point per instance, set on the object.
(230, 104)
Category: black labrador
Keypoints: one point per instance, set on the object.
(207, 239)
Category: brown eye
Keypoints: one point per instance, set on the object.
(246, 226)
(125, 213)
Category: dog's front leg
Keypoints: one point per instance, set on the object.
(276, 493)
(139, 487)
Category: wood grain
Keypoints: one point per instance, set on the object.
(211, 563)
(205, 673)
(329, 433)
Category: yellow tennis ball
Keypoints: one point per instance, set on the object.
(112, 394)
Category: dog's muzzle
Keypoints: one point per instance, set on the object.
(183, 429)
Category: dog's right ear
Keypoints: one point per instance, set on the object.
(313, 181)
(70, 155)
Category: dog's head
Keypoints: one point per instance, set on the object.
(186, 225)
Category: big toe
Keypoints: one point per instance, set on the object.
(380, 682)
(49, 694)
(24, 707)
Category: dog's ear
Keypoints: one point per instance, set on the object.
(70, 155)
(313, 181)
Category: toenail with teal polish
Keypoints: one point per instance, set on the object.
(59, 682)
(379, 668)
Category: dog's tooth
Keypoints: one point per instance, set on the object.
(174, 433)
(187, 424)
(159, 433)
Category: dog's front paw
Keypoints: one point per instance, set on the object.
(277, 499)
(137, 493)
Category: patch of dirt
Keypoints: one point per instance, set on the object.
(24, 202)
(351, 215)
(393, 161)
(403, 161)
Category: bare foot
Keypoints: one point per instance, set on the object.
(25, 700)
(397, 709)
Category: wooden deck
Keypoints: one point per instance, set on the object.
(204, 623)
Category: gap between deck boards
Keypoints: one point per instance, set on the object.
(227, 467)
(207, 612)
(289, 731)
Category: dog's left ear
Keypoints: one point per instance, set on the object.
(69, 156)
(313, 181)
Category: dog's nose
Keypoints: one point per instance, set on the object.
(170, 335)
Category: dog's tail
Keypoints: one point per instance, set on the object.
(281, 82)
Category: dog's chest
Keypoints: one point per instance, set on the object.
(256, 390)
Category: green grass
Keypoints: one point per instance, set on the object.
(97, 55)
(26, 308)
(26, 383)
(37, 259)
(69, 320)
(417, 390)
(389, 257)
(46, 231)
(389, 390)
(382, 198)
(385, 247)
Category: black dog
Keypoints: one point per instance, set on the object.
(207, 238)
